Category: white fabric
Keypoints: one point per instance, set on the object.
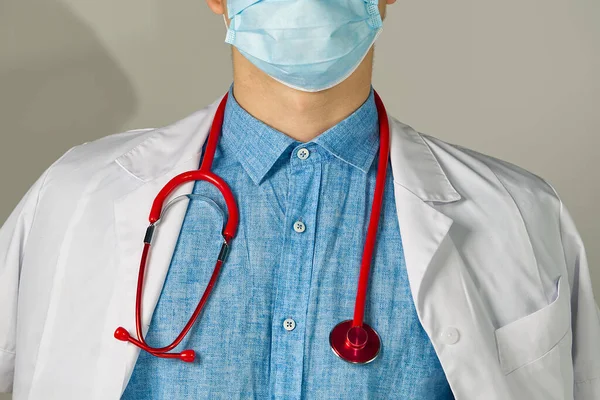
(497, 268)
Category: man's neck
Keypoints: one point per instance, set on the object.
(300, 115)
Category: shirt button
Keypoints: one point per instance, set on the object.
(299, 226)
(449, 335)
(303, 153)
(289, 324)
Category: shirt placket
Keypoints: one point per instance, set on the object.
(294, 273)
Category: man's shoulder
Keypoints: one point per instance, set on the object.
(105, 151)
(102, 151)
(460, 162)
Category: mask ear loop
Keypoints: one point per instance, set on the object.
(225, 21)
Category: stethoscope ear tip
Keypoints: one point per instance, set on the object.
(187, 356)
(122, 334)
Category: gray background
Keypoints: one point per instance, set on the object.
(513, 79)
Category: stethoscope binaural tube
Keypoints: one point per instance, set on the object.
(229, 232)
(352, 340)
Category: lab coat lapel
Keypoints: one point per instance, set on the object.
(165, 154)
(418, 179)
(446, 298)
(423, 229)
(131, 221)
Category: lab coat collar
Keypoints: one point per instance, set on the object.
(414, 166)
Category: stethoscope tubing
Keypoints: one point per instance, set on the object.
(384, 149)
(352, 340)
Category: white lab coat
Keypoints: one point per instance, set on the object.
(497, 268)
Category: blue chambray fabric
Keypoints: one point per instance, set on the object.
(275, 272)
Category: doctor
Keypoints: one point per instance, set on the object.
(479, 287)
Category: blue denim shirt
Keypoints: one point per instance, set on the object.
(264, 332)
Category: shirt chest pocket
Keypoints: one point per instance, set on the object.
(531, 337)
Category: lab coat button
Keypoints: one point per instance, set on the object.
(303, 153)
(289, 324)
(449, 335)
(299, 226)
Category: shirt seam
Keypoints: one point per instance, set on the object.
(129, 172)
(587, 380)
(560, 211)
(560, 231)
(12, 353)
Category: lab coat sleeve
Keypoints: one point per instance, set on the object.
(13, 240)
(585, 315)
(13, 245)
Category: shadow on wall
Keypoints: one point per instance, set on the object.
(58, 87)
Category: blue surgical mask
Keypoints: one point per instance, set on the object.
(309, 45)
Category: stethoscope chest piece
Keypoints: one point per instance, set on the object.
(357, 345)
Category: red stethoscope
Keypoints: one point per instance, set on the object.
(352, 340)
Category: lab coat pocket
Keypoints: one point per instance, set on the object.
(531, 337)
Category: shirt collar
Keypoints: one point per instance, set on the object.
(355, 139)
(257, 146)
